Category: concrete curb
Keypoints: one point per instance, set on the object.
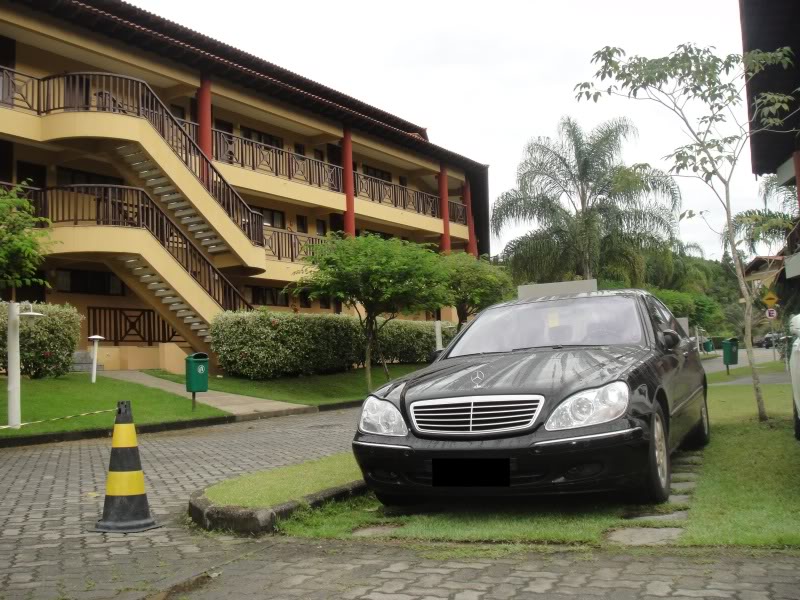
(256, 521)
(87, 434)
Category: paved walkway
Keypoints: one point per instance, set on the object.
(241, 406)
(51, 495)
(761, 355)
(284, 569)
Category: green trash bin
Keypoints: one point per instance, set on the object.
(196, 374)
(708, 346)
(730, 352)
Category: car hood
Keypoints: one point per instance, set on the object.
(551, 373)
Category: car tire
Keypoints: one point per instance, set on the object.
(656, 486)
(796, 421)
(397, 499)
(701, 434)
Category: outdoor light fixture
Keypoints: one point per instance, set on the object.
(96, 339)
(14, 406)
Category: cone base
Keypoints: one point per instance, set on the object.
(126, 527)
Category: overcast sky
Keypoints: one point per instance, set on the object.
(483, 77)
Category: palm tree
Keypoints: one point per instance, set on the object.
(592, 214)
(766, 225)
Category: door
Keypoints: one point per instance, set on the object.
(31, 174)
(223, 141)
(8, 59)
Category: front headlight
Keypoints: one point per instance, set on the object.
(590, 407)
(381, 418)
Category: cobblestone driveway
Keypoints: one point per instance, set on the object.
(51, 495)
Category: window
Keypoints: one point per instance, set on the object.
(267, 296)
(272, 218)
(74, 281)
(222, 125)
(325, 302)
(305, 300)
(322, 227)
(300, 149)
(177, 111)
(593, 321)
(662, 318)
(377, 173)
(262, 138)
(67, 176)
(403, 180)
(302, 224)
(319, 155)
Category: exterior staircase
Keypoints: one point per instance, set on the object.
(163, 293)
(161, 187)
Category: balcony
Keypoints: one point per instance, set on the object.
(256, 156)
(285, 245)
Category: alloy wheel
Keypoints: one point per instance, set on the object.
(662, 462)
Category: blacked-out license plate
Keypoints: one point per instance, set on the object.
(471, 472)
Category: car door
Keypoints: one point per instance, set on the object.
(686, 413)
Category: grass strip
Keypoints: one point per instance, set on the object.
(74, 393)
(773, 366)
(312, 390)
(268, 488)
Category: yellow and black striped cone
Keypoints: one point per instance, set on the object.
(126, 509)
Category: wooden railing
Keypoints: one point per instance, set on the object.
(104, 92)
(124, 206)
(287, 245)
(458, 212)
(132, 325)
(256, 156)
(396, 195)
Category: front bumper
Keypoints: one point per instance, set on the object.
(571, 462)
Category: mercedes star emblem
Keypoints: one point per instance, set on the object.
(477, 378)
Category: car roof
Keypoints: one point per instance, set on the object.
(598, 294)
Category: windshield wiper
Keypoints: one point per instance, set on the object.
(560, 346)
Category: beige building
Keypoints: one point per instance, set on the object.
(184, 177)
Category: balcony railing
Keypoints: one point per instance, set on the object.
(256, 156)
(287, 245)
(131, 325)
(103, 92)
(124, 206)
(395, 195)
(457, 211)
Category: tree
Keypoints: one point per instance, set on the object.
(475, 284)
(702, 92)
(375, 277)
(768, 225)
(589, 208)
(22, 240)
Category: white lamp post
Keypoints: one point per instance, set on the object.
(14, 407)
(96, 339)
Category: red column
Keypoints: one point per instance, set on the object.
(347, 183)
(204, 136)
(472, 244)
(796, 157)
(444, 208)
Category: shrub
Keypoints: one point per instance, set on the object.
(260, 344)
(46, 343)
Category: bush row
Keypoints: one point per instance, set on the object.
(46, 343)
(260, 344)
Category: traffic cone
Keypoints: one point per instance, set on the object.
(126, 509)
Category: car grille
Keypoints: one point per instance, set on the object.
(475, 415)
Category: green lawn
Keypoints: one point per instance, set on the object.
(74, 394)
(748, 494)
(312, 390)
(267, 488)
(776, 366)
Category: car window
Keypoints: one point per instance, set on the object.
(592, 321)
(662, 318)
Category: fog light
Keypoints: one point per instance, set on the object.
(583, 471)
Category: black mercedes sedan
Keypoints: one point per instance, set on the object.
(574, 393)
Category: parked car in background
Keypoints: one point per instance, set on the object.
(768, 341)
(794, 371)
(564, 394)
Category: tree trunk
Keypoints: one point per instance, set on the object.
(748, 308)
(368, 357)
(379, 350)
(461, 311)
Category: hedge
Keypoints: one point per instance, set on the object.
(46, 343)
(259, 344)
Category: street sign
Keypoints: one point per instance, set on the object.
(770, 300)
(772, 313)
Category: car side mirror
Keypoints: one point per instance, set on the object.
(671, 339)
(434, 355)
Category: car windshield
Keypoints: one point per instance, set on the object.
(592, 321)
